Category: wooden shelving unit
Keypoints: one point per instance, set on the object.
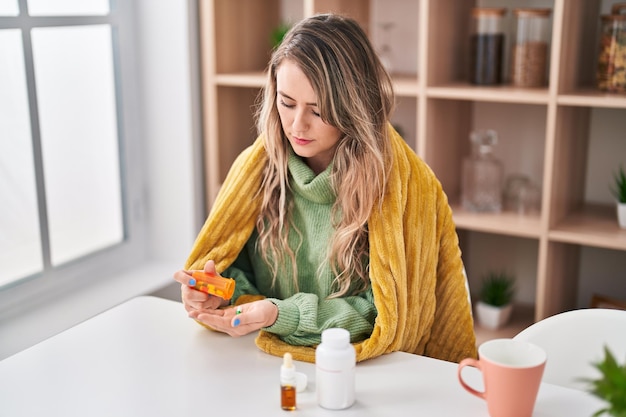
(438, 109)
(521, 318)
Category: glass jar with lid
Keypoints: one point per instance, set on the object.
(611, 72)
(487, 45)
(530, 52)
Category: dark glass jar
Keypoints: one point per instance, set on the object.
(487, 46)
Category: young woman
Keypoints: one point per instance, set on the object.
(329, 219)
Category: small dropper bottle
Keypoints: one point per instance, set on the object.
(288, 383)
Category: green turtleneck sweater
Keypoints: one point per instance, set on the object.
(305, 312)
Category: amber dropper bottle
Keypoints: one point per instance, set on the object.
(288, 383)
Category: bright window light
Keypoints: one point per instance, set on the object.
(79, 138)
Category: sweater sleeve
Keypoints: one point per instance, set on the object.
(303, 317)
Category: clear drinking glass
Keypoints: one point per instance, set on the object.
(521, 195)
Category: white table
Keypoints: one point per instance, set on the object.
(147, 358)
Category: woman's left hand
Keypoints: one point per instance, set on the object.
(239, 320)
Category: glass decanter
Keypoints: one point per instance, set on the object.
(481, 185)
(385, 53)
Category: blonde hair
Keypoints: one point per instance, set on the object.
(355, 95)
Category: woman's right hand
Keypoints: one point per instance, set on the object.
(195, 301)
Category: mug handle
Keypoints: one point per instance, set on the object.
(463, 364)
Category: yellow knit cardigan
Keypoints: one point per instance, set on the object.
(416, 270)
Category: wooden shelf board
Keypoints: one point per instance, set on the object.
(504, 223)
(243, 79)
(501, 94)
(589, 97)
(405, 85)
(523, 316)
(591, 226)
(408, 86)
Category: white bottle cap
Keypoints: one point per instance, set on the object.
(288, 374)
(288, 371)
(336, 337)
(301, 381)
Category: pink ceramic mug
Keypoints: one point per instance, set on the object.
(512, 372)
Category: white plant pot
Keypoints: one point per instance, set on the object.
(492, 317)
(621, 215)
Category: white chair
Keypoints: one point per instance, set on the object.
(574, 340)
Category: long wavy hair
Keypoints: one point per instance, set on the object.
(355, 95)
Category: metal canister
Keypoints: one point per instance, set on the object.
(611, 72)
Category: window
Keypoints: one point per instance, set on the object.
(68, 134)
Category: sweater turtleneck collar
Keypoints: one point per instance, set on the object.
(306, 184)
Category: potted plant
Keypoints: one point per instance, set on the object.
(619, 192)
(279, 33)
(610, 386)
(495, 304)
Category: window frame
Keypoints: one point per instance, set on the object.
(56, 280)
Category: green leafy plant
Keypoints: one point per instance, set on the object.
(279, 33)
(619, 187)
(610, 386)
(498, 289)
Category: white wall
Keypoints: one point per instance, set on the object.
(169, 121)
(167, 92)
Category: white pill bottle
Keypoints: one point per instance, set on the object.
(335, 365)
